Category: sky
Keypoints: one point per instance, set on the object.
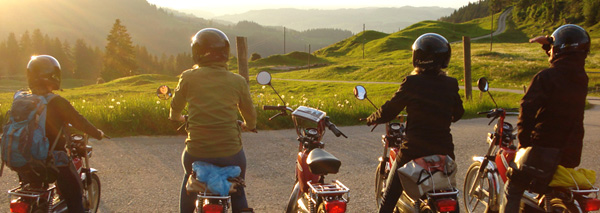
(224, 7)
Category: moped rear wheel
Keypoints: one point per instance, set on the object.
(92, 194)
(292, 206)
(379, 184)
(478, 200)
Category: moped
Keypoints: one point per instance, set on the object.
(442, 199)
(38, 196)
(485, 178)
(310, 192)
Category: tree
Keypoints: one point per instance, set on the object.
(119, 58)
(13, 52)
(255, 56)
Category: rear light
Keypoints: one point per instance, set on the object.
(335, 206)
(446, 205)
(212, 208)
(18, 206)
(590, 204)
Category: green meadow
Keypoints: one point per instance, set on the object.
(129, 106)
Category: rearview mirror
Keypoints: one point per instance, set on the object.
(483, 84)
(360, 92)
(263, 78)
(164, 92)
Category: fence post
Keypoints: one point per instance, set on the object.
(242, 57)
(467, 56)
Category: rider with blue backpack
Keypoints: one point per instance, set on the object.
(33, 140)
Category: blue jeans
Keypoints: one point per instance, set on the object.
(187, 203)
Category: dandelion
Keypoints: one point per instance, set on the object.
(118, 103)
(157, 102)
(82, 107)
(347, 102)
(133, 114)
(113, 100)
(334, 95)
(292, 97)
(282, 96)
(83, 100)
(111, 106)
(263, 87)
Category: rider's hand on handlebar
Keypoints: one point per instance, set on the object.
(541, 40)
(101, 134)
(245, 128)
(181, 118)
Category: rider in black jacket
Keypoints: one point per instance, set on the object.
(432, 102)
(43, 76)
(553, 106)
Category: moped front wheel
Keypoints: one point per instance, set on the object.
(478, 198)
(92, 194)
(379, 184)
(292, 206)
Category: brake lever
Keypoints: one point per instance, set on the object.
(374, 127)
(277, 115)
(493, 119)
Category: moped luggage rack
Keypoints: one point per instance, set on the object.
(208, 195)
(336, 188)
(28, 193)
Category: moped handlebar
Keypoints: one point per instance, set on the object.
(282, 108)
(334, 129)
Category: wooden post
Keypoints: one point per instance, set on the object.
(467, 56)
(284, 40)
(309, 57)
(242, 56)
(492, 32)
(364, 40)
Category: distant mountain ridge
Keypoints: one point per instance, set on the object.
(386, 20)
(160, 30)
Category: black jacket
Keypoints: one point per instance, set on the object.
(552, 109)
(432, 103)
(60, 112)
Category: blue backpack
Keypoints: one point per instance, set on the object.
(24, 145)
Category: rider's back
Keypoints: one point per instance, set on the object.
(213, 95)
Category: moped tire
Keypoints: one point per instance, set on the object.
(92, 193)
(379, 185)
(292, 206)
(472, 203)
(559, 206)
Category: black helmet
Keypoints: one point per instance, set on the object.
(43, 71)
(209, 45)
(431, 50)
(569, 38)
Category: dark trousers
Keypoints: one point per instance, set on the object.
(70, 185)
(187, 201)
(393, 189)
(513, 192)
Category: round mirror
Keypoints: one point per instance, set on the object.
(164, 92)
(360, 92)
(263, 78)
(483, 85)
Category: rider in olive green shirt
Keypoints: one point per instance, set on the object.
(214, 95)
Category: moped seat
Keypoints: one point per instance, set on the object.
(321, 162)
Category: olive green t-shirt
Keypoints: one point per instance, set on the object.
(214, 96)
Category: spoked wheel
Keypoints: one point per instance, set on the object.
(92, 194)
(379, 184)
(292, 206)
(476, 199)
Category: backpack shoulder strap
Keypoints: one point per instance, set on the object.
(49, 97)
(60, 131)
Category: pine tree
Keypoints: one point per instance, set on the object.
(119, 59)
(14, 67)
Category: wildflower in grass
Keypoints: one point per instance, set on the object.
(347, 102)
(157, 102)
(292, 97)
(83, 100)
(263, 87)
(282, 96)
(113, 100)
(118, 103)
(111, 107)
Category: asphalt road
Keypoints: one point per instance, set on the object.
(143, 174)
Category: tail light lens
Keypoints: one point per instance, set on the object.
(446, 205)
(590, 204)
(18, 206)
(335, 206)
(212, 208)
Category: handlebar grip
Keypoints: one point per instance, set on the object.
(266, 107)
(481, 113)
(335, 130)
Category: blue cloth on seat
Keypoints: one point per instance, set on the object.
(215, 177)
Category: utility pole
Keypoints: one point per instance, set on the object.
(467, 58)
(242, 51)
(492, 32)
(284, 40)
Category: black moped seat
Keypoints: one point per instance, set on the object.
(321, 162)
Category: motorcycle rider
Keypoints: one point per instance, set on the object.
(214, 96)
(552, 109)
(43, 77)
(432, 102)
